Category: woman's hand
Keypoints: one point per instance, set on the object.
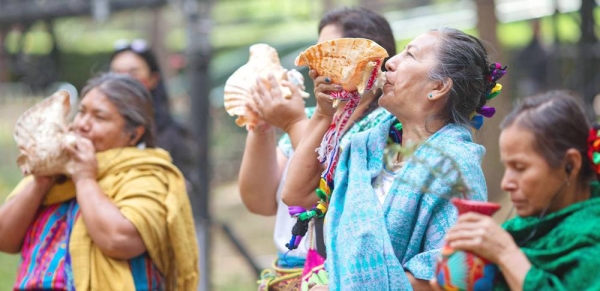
(481, 235)
(83, 156)
(273, 108)
(323, 89)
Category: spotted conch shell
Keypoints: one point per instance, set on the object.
(242, 83)
(41, 133)
(348, 62)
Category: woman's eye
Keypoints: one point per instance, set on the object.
(519, 167)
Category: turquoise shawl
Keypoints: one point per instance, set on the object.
(565, 249)
(370, 246)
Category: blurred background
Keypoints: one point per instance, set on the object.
(46, 45)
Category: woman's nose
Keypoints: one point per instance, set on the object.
(81, 123)
(392, 63)
(508, 182)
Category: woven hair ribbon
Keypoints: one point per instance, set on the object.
(496, 71)
(594, 148)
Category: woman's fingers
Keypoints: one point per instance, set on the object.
(471, 216)
(275, 90)
(312, 74)
(295, 89)
(262, 89)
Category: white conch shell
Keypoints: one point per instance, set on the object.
(41, 133)
(348, 62)
(240, 86)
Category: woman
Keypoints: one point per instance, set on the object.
(264, 164)
(137, 60)
(122, 221)
(385, 223)
(553, 243)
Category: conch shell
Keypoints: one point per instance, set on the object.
(242, 83)
(41, 133)
(348, 62)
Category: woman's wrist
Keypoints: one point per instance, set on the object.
(510, 257)
(84, 180)
(293, 124)
(263, 130)
(323, 115)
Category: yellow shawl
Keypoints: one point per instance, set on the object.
(150, 192)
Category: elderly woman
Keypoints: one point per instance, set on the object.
(386, 221)
(122, 221)
(553, 243)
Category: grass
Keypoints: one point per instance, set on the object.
(8, 263)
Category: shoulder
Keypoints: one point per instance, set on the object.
(583, 223)
(457, 141)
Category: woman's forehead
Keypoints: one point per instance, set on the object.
(426, 40)
(95, 99)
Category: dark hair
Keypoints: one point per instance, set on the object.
(363, 23)
(463, 59)
(132, 100)
(558, 124)
(160, 97)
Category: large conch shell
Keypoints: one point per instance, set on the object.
(242, 83)
(41, 133)
(348, 62)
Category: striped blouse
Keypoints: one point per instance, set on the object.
(45, 261)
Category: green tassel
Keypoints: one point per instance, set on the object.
(321, 194)
(596, 158)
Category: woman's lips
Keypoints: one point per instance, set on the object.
(518, 202)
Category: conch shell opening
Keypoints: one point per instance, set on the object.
(349, 62)
(241, 85)
(41, 134)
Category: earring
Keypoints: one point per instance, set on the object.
(430, 95)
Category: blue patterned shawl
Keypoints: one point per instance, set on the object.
(370, 245)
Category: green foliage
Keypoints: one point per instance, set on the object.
(444, 170)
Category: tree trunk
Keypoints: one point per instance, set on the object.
(588, 60)
(198, 55)
(489, 133)
(3, 56)
(157, 30)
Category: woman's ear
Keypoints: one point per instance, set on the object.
(136, 135)
(441, 89)
(573, 163)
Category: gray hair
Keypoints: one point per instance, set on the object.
(132, 100)
(463, 59)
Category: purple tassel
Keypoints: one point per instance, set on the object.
(298, 240)
(487, 111)
(294, 210)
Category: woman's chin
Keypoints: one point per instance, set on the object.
(523, 212)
